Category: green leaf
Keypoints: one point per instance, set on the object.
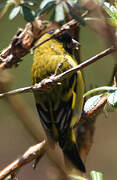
(7, 5)
(65, 7)
(103, 88)
(75, 14)
(14, 12)
(115, 3)
(99, 2)
(96, 175)
(59, 13)
(112, 98)
(79, 19)
(72, 2)
(47, 7)
(27, 13)
(112, 22)
(92, 102)
(45, 2)
(52, 16)
(30, 3)
(111, 10)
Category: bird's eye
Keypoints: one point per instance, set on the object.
(52, 31)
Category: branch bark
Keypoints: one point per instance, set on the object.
(11, 56)
(24, 40)
(86, 128)
(90, 116)
(34, 152)
(53, 80)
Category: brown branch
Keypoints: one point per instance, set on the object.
(21, 43)
(85, 63)
(58, 32)
(24, 40)
(20, 46)
(34, 152)
(38, 150)
(85, 144)
(87, 117)
(87, 123)
(52, 80)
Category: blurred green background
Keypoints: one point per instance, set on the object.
(14, 137)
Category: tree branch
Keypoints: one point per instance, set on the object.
(86, 128)
(11, 56)
(90, 116)
(34, 152)
(52, 80)
(38, 150)
(24, 40)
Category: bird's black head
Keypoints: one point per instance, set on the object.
(66, 39)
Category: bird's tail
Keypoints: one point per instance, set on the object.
(70, 150)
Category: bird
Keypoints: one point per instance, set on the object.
(59, 107)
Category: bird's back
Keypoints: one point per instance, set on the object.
(51, 58)
(60, 107)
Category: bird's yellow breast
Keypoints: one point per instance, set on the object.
(60, 107)
(50, 58)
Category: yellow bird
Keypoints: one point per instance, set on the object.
(59, 108)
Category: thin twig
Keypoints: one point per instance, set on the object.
(52, 80)
(39, 149)
(85, 63)
(32, 153)
(24, 40)
(57, 32)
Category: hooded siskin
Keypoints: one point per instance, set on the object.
(60, 107)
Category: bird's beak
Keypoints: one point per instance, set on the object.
(75, 43)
